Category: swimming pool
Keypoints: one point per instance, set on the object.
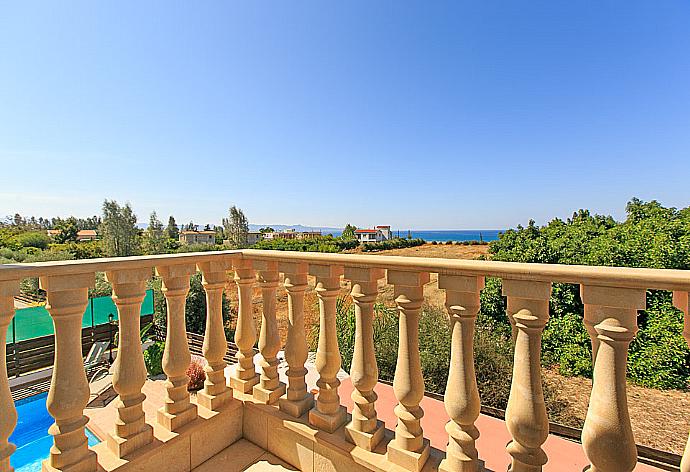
(31, 434)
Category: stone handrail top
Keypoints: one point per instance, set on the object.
(626, 277)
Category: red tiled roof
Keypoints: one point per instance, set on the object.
(365, 231)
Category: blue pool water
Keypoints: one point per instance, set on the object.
(31, 434)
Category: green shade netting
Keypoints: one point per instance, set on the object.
(35, 322)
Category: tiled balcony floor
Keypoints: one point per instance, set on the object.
(564, 455)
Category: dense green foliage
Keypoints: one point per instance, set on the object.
(153, 358)
(650, 236)
(393, 243)
(320, 244)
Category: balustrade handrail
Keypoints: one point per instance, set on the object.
(624, 277)
(611, 297)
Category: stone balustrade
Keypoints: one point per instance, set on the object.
(611, 296)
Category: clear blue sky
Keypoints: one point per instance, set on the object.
(438, 115)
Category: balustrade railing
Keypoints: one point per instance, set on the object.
(611, 296)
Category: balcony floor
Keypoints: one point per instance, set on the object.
(244, 456)
(563, 454)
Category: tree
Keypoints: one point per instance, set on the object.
(349, 231)
(68, 230)
(236, 227)
(190, 226)
(120, 236)
(154, 236)
(266, 229)
(172, 231)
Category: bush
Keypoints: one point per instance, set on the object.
(153, 358)
(566, 344)
(196, 374)
(320, 244)
(37, 239)
(659, 356)
(651, 236)
(393, 243)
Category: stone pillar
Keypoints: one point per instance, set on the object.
(681, 300)
(593, 316)
(526, 417)
(270, 388)
(177, 410)
(297, 401)
(245, 377)
(409, 449)
(328, 414)
(216, 392)
(129, 372)
(8, 420)
(364, 430)
(462, 395)
(68, 297)
(607, 436)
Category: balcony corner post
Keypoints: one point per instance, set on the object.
(526, 416)
(462, 394)
(328, 414)
(67, 298)
(296, 401)
(607, 435)
(409, 449)
(365, 430)
(8, 420)
(129, 372)
(177, 409)
(215, 393)
(245, 376)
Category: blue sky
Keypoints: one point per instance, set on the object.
(442, 115)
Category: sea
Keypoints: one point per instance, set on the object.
(446, 235)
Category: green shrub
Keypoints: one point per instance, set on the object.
(37, 239)
(659, 356)
(393, 243)
(650, 236)
(153, 358)
(566, 343)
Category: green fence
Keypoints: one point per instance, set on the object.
(34, 322)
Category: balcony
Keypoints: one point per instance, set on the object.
(252, 417)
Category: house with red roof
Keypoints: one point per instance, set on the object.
(376, 235)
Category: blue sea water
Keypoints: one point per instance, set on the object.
(31, 434)
(447, 235)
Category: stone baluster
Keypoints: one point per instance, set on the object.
(245, 377)
(681, 300)
(67, 299)
(409, 449)
(296, 401)
(129, 372)
(462, 395)
(270, 388)
(607, 435)
(216, 392)
(328, 414)
(177, 409)
(526, 417)
(364, 430)
(8, 419)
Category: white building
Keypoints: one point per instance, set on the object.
(376, 235)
